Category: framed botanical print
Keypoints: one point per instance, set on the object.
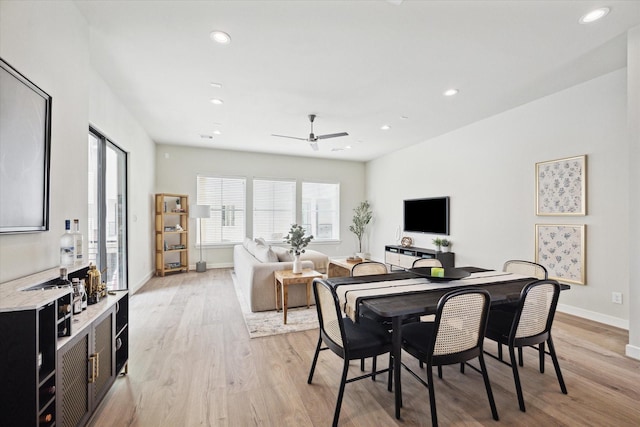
(561, 187)
(561, 250)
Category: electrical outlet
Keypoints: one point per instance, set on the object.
(616, 297)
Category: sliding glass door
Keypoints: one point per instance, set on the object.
(107, 240)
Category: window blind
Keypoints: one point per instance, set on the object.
(226, 199)
(274, 208)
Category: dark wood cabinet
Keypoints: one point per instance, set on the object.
(403, 257)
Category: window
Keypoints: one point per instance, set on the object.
(107, 210)
(274, 208)
(226, 198)
(321, 210)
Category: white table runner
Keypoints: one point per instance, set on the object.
(349, 294)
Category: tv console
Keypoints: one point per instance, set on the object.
(403, 257)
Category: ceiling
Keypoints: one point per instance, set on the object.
(357, 65)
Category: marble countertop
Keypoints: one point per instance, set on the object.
(13, 296)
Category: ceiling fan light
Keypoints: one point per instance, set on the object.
(220, 37)
(594, 15)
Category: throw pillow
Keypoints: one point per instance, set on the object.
(265, 254)
(282, 254)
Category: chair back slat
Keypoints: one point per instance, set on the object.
(328, 312)
(368, 268)
(426, 262)
(462, 320)
(536, 309)
(526, 268)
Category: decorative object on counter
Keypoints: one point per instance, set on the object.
(362, 215)
(199, 212)
(446, 244)
(437, 243)
(93, 284)
(78, 295)
(296, 238)
(67, 249)
(406, 242)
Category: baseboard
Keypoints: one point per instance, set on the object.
(633, 351)
(192, 267)
(592, 315)
(141, 283)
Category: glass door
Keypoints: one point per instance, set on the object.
(107, 240)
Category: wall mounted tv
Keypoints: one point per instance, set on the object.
(25, 146)
(427, 215)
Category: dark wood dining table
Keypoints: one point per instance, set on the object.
(400, 306)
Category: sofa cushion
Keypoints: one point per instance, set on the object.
(265, 254)
(282, 254)
(261, 241)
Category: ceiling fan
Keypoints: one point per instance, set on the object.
(313, 138)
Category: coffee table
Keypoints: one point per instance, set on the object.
(284, 278)
(340, 267)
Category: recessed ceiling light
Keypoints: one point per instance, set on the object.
(385, 127)
(203, 136)
(348, 147)
(451, 92)
(217, 101)
(220, 37)
(594, 15)
(216, 85)
(404, 117)
(217, 132)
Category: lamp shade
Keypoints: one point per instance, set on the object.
(199, 211)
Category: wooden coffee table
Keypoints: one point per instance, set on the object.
(284, 278)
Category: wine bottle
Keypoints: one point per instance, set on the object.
(62, 330)
(47, 392)
(65, 309)
(78, 240)
(85, 299)
(67, 248)
(45, 418)
(77, 295)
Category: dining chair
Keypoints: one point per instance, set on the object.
(526, 268)
(456, 336)
(426, 262)
(529, 325)
(367, 268)
(347, 339)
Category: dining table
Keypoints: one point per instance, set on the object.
(411, 293)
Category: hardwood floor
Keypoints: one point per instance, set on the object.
(192, 364)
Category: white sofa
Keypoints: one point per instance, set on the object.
(254, 264)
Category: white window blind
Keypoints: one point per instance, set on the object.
(321, 210)
(226, 198)
(274, 208)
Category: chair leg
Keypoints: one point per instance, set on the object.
(421, 364)
(541, 355)
(315, 359)
(432, 396)
(516, 377)
(487, 385)
(556, 365)
(520, 359)
(462, 367)
(343, 382)
(439, 371)
(374, 368)
(390, 380)
(499, 351)
(362, 364)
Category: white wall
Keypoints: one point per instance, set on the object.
(177, 167)
(49, 42)
(633, 119)
(488, 170)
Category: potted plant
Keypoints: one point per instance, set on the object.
(438, 244)
(362, 215)
(298, 242)
(445, 245)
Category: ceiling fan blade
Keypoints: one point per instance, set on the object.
(314, 145)
(332, 135)
(286, 136)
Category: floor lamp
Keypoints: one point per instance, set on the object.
(199, 212)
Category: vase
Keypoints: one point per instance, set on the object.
(297, 264)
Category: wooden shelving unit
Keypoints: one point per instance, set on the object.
(172, 242)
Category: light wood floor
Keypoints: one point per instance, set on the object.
(192, 364)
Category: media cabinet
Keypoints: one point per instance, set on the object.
(403, 257)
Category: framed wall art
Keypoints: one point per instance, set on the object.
(561, 187)
(561, 250)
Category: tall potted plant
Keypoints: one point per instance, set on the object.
(297, 240)
(362, 215)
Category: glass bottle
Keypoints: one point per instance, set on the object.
(78, 240)
(67, 247)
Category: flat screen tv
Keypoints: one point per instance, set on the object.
(25, 142)
(427, 215)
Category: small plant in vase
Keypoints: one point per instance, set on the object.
(362, 215)
(445, 245)
(298, 242)
(437, 243)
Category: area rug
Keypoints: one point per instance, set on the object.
(266, 323)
